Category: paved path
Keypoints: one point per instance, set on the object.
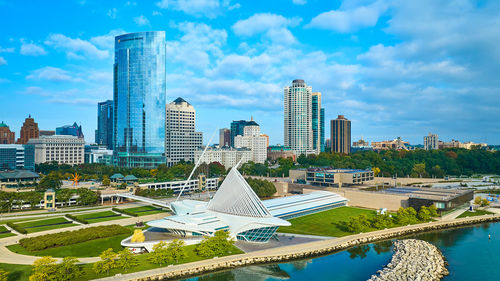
(6, 256)
(453, 215)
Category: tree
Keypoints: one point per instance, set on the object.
(87, 196)
(358, 224)
(433, 211)
(4, 275)
(406, 216)
(478, 200)
(107, 262)
(68, 269)
(64, 195)
(176, 250)
(138, 236)
(44, 269)
(52, 180)
(218, 245)
(424, 214)
(126, 260)
(437, 171)
(485, 202)
(381, 221)
(419, 171)
(160, 253)
(376, 171)
(106, 181)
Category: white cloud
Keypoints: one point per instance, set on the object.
(157, 13)
(199, 8)
(141, 20)
(51, 74)
(112, 13)
(31, 49)
(107, 41)
(299, 2)
(75, 48)
(6, 50)
(349, 18)
(273, 27)
(2, 61)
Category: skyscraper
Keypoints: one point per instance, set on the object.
(104, 132)
(340, 135)
(6, 136)
(255, 141)
(224, 137)
(237, 128)
(139, 97)
(29, 130)
(181, 140)
(431, 142)
(298, 131)
(318, 123)
(70, 130)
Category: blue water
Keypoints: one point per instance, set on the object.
(468, 251)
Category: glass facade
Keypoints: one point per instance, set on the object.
(139, 99)
(322, 128)
(257, 235)
(238, 127)
(104, 132)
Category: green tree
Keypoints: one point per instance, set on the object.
(87, 196)
(433, 211)
(44, 269)
(406, 216)
(176, 250)
(52, 180)
(437, 171)
(4, 275)
(160, 253)
(64, 195)
(126, 260)
(107, 262)
(419, 171)
(478, 200)
(485, 202)
(68, 269)
(424, 214)
(381, 221)
(358, 224)
(218, 245)
(106, 181)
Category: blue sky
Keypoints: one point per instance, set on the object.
(395, 68)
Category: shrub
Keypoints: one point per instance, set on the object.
(126, 212)
(80, 220)
(71, 237)
(17, 228)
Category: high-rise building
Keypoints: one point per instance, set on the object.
(16, 157)
(139, 97)
(253, 140)
(340, 135)
(237, 128)
(70, 130)
(224, 137)
(104, 132)
(431, 142)
(227, 156)
(318, 123)
(181, 139)
(6, 136)
(63, 149)
(29, 130)
(298, 131)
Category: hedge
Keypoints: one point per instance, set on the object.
(17, 228)
(80, 220)
(72, 237)
(126, 212)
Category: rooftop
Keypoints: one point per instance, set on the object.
(18, 174)
(428, 193)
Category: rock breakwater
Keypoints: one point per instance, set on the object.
(413, 260)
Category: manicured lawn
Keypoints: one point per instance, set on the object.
(91, 248)
(326, 223)
(145, 210)
(42, 225)
(3, 229)
(101, 216)
(22, 272)
(474, 214)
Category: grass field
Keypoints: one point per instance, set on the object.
(22, 272)
(474, 214)
(145, 210)
(326, 223)
(42, 225)
(3, 235)
(100, 216)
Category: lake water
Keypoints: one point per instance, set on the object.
(468, 251)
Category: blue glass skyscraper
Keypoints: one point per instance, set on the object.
(139, 99)
(104, 132)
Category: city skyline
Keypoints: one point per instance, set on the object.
(391, 80)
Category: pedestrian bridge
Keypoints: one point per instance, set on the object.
(145, 199)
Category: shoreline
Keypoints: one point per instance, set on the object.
(294, 252)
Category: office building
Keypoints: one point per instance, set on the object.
(298, 131)
(98, 154)
(104, 132)
(47, 133)
(275, 152)
(318, 123)
(331, 177)
(396, 144)
(29, 130)
(431, 142)
(139, 97)
(181, 139)
(6, 136)
(253, 140)
(63, 149)
(227, 156)
(197, 184)
(16, 157)
(340, 135)
(360, 145)
(70, 130)
(225, 137)
(237, 128)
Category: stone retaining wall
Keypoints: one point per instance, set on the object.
(295, 252)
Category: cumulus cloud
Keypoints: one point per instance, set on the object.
(31, 49)
(107, 41)
(349, 18)
(299, 2)
(6, 50)
(141, 20)
(75, 48)
(51, 74)
(2, 61)
(199, 8)
(274, 27)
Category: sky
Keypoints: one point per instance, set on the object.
(395, 68)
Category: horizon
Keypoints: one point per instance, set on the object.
(371, 63)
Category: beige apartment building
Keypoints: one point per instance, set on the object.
(60, 148)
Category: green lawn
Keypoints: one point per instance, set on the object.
(145, 210)
(474, 214)
(326, 223)
(22, 272)
(91, 248)
(3, 235)
(42, 225)
(100, 216)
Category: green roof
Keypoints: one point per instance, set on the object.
(3, 124)
(116, 176)
(130, 178)
(18, 174)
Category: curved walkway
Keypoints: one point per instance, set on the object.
(6, 256)
(294, 252)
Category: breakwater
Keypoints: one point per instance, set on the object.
(413, 260)
(288, 253)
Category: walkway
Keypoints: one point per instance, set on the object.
(6, 256)
(453, 215)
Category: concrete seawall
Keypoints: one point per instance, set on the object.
(294, 252)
